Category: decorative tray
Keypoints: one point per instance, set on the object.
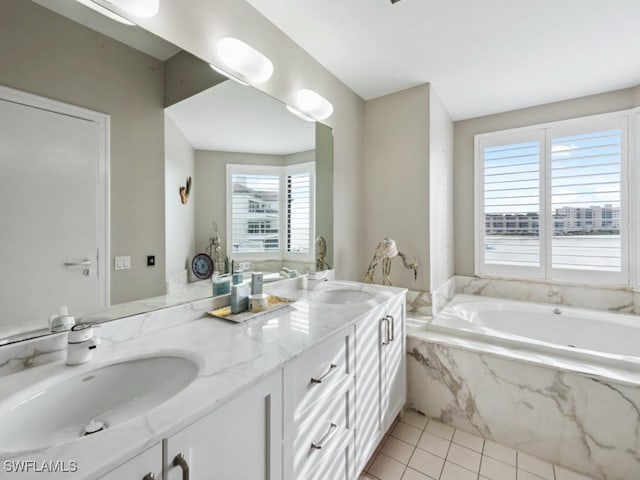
(274, 303)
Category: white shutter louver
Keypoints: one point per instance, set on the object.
(299, 212)
(511, 179)
(586, 200)
(255, 213)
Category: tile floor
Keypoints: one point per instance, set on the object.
(420, 449)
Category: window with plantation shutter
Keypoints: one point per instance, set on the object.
(299, 211)
(255, 212)
(270, 210)
(511, 178)
(551, 201)
(586, 201)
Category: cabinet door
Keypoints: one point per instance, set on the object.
(142, 467)
(239, 441)
(370, 335)
(395, 362)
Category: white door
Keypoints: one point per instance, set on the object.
(53, 212)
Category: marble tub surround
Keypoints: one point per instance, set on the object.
(585, 423)
(419, 303)
(231, 357)
(615, 299)
(430, 303)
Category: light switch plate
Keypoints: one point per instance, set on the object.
(123, 263)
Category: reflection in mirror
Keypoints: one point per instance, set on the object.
(126, 77)
(253, 164)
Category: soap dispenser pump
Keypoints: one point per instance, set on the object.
(61, 322)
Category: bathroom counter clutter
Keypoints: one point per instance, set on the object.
(161, 382)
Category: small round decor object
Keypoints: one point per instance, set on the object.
(202, 266)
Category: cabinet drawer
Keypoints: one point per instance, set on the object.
(322, 430)
(338, 464)
(317, 373)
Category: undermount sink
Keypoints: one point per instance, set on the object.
(340, 297)
(85, 404)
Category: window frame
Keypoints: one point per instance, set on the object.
(623, 120)
(282, 172)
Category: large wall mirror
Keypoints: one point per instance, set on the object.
(185, 150)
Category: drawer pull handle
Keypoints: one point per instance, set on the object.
(149, 476)
(392, 337)
(180, 461)
(319, 445)
(385, 331)
(332, 369)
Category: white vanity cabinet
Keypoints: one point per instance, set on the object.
(240, 440)
(319, 417)
(146, 466)
(380, 374)
(319, 406)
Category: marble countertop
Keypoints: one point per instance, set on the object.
(231, 358)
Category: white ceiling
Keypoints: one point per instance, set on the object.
(232, 118)
(481, 56)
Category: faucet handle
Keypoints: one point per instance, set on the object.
(81, 332)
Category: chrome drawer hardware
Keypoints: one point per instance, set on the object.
(180, 461)
(149, 476)
(392, 337)
(319, 445)
(332, 369)
(386, 340)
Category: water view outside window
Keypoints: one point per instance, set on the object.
(585, 201)
(512, 204)
(584, 214)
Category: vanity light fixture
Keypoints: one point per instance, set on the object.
(312, 104)
(105, 11)
(299, 114)
(230, 76)
(242, 62)
(136, 8)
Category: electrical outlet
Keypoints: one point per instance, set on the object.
(122, 263)
(244, 266)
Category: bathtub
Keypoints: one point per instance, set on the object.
(561, 383)
(594, 336)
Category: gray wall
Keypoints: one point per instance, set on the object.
(197, 25)
(49, 55)
(186, 75)
(299, 157)
(211, 196)
(325, 200)
(179, 219)
(396, 179)
(440, 192)
(464, 145)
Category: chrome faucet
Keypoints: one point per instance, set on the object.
(81, 343)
